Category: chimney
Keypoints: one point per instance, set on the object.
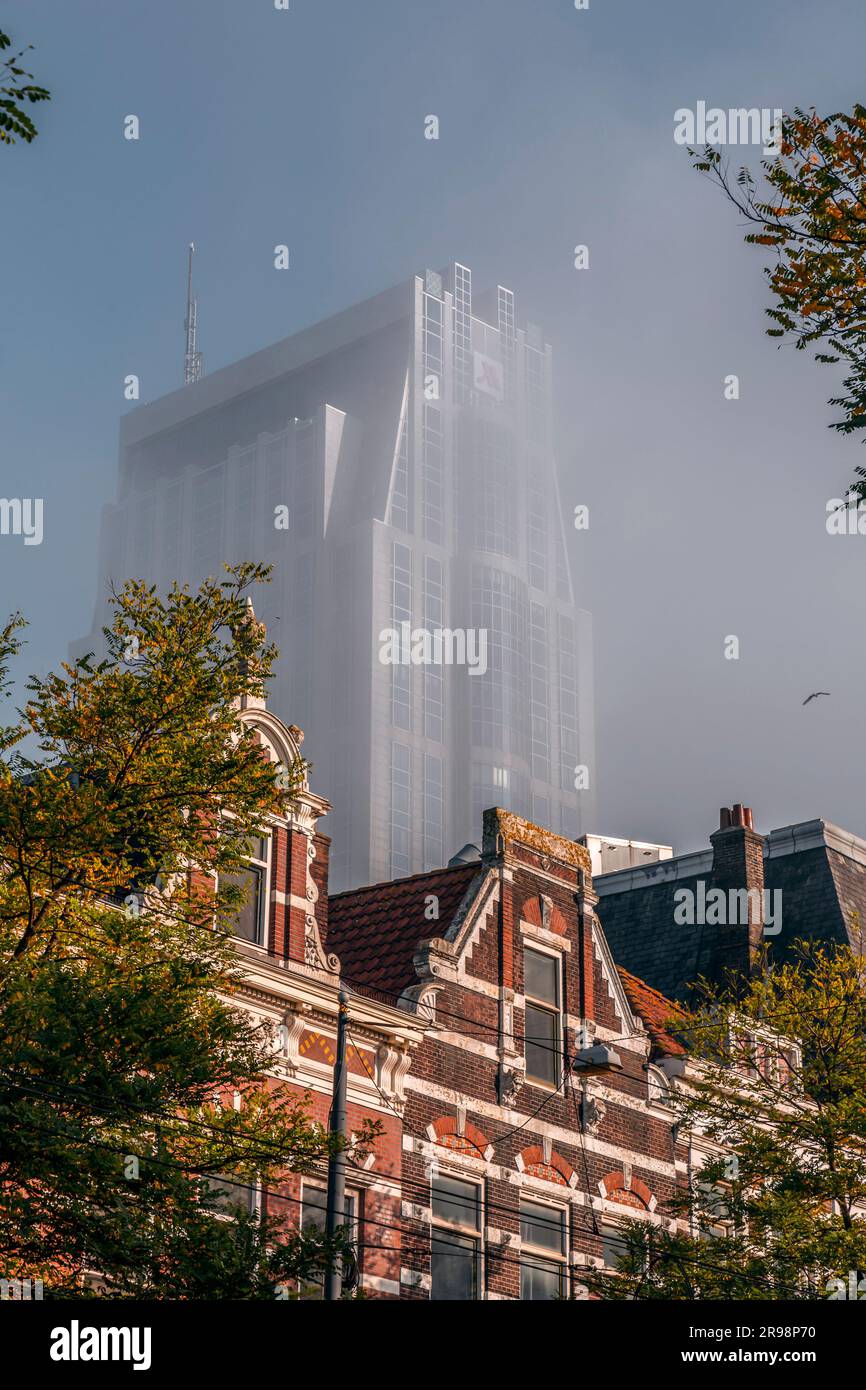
(738, 870)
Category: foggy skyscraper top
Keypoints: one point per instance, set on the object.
(395, 465)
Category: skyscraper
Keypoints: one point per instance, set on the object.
(395, 463)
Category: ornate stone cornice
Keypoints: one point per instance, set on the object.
(503, 829)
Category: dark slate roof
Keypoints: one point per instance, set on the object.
(643, 937)
(819, 869)
(375, 930)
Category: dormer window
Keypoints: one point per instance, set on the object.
(542, 987)
(249, 922)
(765, 1057)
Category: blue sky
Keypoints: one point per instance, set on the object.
(306, 127)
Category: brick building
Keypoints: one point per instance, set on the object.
(519, 1076)
(516, 1165)
(291, 985)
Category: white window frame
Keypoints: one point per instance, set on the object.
(439, 1223)
(353, 1195)
(542, 1255)
(658, 1088)
(545, 1006)
(265, 903)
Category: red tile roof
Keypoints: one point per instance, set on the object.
(657, 1012)
(375, 930)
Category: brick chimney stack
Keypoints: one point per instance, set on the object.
(738, 864)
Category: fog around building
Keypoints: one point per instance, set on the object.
(306, 127)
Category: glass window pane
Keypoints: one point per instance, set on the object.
(314, 1208)
(257, 848)
(541, 977)
(314, 1217)
(542, 1045)
(454, 1267)
(541, 1225)
(248, 919)
(456, 1202)
(614, 1248)
(232, 1196)
(541, 1281)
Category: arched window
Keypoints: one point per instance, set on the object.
(659, 1090)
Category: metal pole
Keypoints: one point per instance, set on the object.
(337, 1161)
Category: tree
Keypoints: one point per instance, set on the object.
(133, 1108)
(812, 214)
(778, 1211)
(16, 87)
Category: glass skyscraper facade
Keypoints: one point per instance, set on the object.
(409, 442)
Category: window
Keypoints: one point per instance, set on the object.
(434, 813)
(433, 475)
(658, 1087)
(543, 1028)
(539, 693)
(233, 1194)
(568, 717)
(400, 505)
(537, 530)
(434, 619)
(500, 698)
(401, 809)
(543, 1251)
(614, 1247)
(541, 810)
(314, 1209)
(494, 512)
(249, 922)
(455, 1265)
(314, 1217)
(499, 786)
(764, 1057)
(713, 1211)
(401, 612)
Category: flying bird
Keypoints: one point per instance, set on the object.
(814, 695)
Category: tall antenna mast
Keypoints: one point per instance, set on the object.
(192, 360)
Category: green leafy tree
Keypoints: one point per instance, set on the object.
(811, 212)
(128, 1078)
(779, 1212)
(17, 88)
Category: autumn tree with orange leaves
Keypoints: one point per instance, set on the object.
(118, 1036)
(810, 212)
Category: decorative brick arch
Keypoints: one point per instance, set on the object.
(447, 1132)
(553, 1169)
(627, 1191)
(539, 911)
